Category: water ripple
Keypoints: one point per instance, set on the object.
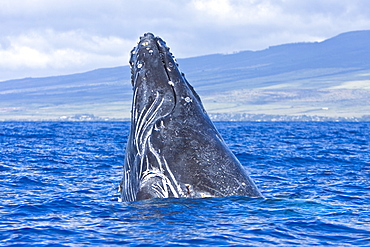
(59, 183)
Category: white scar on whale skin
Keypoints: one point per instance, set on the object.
(162, 161)
(161, 189)
(143, 131)
(144, 121)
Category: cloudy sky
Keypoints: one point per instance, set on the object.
(54, 37)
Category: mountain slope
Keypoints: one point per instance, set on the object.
(329, 78)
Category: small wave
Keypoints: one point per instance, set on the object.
(59, 188)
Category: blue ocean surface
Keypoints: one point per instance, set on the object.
(59, 181)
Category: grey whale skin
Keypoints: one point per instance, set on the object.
(173, 149)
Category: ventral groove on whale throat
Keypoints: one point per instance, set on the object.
(173, 149)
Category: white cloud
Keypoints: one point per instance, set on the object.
(66, 52)
(236, 12)
(21, 56)
(43, 37)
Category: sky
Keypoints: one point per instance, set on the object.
(41, 38)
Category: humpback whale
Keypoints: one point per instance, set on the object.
(173, 149)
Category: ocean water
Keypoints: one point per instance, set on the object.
(59, 180)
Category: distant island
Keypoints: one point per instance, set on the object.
(283, 118)
(319, 81)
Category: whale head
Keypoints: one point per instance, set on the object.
(173, 149)
(159, 86)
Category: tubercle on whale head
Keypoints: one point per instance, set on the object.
(152, 50)
(157, 80)
(154, 89)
